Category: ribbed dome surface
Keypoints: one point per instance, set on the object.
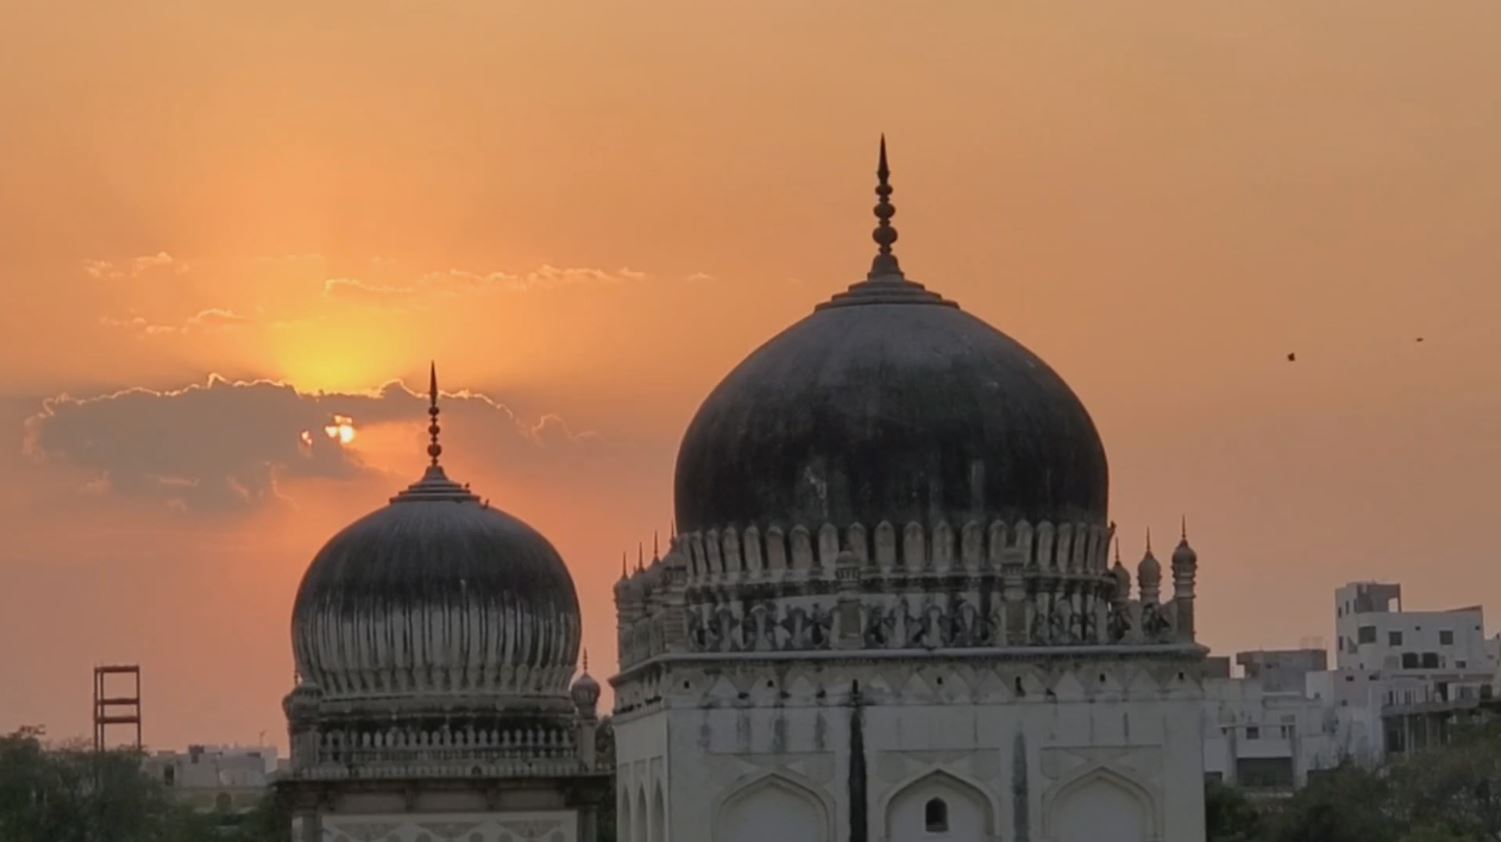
(437, 594)
(890, 403)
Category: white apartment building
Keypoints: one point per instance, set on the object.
(1261, 730)
(221, 779)
(1374, 632)
(1402, 676)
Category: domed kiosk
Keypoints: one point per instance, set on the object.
(888, 609)
(434, 641)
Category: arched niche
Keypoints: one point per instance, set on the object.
(939, 806)
(773, 807)
(639, 828)
(624, 818)
(1101, 804)
(659, 816)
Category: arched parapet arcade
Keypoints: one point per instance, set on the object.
(888, 586)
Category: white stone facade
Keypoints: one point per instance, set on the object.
(1064, 746)
(520, 826)
(1011, 689)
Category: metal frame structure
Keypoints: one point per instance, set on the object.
(117, 709)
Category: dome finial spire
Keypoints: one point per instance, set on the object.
(884, 235)
(434, 450)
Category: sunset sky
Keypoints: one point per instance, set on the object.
(223, 223)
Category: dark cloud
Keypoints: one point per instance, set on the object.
(224, 445)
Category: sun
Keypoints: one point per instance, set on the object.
(341, 429)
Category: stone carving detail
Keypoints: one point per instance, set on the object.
(529, 830)
(778, 588)
(1154, 622)
(880, 628)
(1119, 625)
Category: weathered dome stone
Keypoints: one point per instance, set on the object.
(890, 403)
(437, 596)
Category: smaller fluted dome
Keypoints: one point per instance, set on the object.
(437, 597)
(1122, 578)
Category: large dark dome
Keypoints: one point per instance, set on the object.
(437, 598)
(890, 403)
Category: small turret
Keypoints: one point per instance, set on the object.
(585, 691)
(1185, 572)
(1122, 578)
(1184, 555)
(1149, 575)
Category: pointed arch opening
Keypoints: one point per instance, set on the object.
(776, 807)
(940, 805)
(1101, 805)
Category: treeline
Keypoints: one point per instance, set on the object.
(1446, 794)
(70, 793)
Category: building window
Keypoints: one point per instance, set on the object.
(1287, 732)
(1446, 638)
(1253, 733)
(1367, 634)
(1460, 663)
(1409, 660)
(1430, 660)
(936, 816)
(169, 775)
(1394, 638)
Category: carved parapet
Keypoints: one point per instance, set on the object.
(772, 587)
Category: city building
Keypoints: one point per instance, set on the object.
(1403, 678)
(888, 610)
(1374, 632)
(1282, 670)
(1262, 731)
(215, 779)
(435, 640)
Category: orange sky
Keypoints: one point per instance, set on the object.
(588, 214)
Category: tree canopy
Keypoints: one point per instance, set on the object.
(1449, 793)
(71, 793)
